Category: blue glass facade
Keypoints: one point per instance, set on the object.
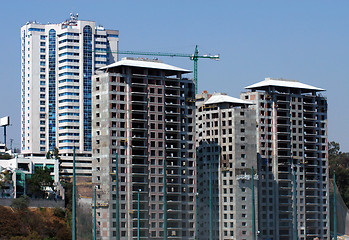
(87, 73)
(52, 90)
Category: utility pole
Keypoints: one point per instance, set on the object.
(196, 217)
(74, 201)
(11, 141)
(334, 207)
(138, 221)
(253, 208)
(211, 223)
(165, 199)
(94, 215)
(25, 185)
(295, 226)
(117, 198)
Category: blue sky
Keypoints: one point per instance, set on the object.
(306, 41)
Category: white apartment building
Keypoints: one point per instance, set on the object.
(292, 146)
(57, 62)
(226, 155)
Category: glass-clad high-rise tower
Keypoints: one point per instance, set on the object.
(57, 62)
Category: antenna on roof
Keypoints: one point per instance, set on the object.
(74, 16)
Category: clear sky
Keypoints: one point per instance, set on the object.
(306, 41)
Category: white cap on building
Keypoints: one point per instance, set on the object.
(270, 82)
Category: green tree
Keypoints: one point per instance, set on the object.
(5, 180)
(339, 162)
(39, 180)
(56, 153)
(48, 155)
(57, 157)
(333, 149)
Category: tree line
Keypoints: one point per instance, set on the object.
(339, 163)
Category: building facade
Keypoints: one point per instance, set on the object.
(143, 121)
(57, 62)
(21, 169)
(293, 159)
(226, 155)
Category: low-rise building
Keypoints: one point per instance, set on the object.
(22, 167)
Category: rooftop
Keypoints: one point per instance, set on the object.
(222, 98)
(268, 82)
(145, 63)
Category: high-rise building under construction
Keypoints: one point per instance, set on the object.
(293, 159)
(226, 167)
(143, 133)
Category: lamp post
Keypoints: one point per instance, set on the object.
(94, 215)
(253, 208)
(138, 221)
(117, 214)
(196, 217)
(165, 199)
(334, 207)
(295, 227)
(211, 220)
(73, 204)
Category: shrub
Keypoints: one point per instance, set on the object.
(58, 212)
(21, 203)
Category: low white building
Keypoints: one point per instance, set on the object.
(22, 166)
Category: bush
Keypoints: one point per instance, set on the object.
(31, 236)
(21, 203)
(58, 212)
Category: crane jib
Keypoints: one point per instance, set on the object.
(194, 57)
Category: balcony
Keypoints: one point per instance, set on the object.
(172, 137)
(138, 145)
(141, 109)
(140, 154)
(311, 203)
(171, 129)
(135, 82)
(172, 103)
(139, 170)
(139, 136)
(172, 84)
(173, 173)
(172, 95)
(140, 127)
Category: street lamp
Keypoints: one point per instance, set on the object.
(74, 200)
(196, 216)
(210, 203)
(334, 208)
(253, 207)
(138, 222)
(94, 215)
